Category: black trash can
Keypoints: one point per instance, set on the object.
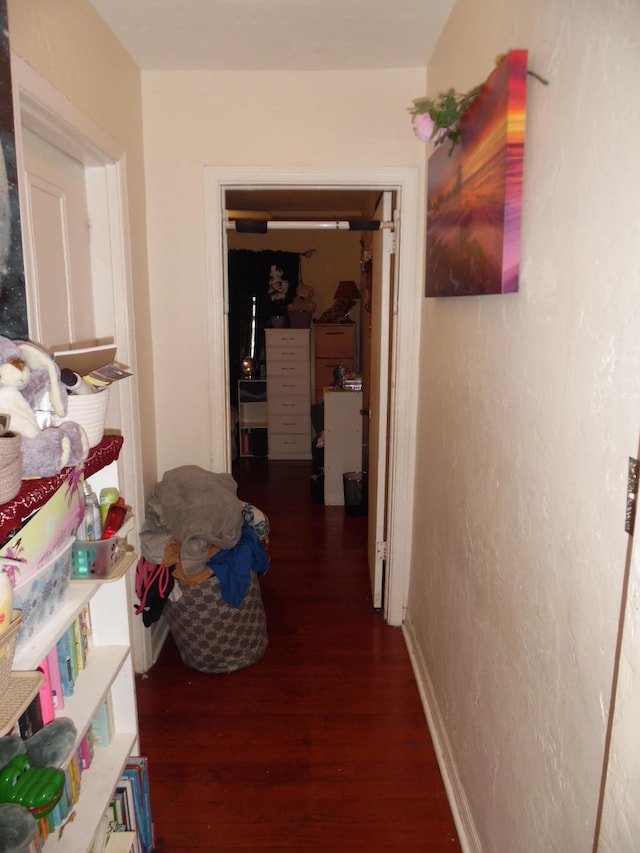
(317, 488)
(355, 492)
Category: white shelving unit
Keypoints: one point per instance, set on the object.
(109, 671)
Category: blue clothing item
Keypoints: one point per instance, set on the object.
(233, 566)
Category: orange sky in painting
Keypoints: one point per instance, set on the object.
(475, 195)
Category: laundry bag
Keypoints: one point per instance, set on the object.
(213, 636)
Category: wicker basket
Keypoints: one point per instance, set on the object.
(10, 466)
(90, 411)
(7, 648)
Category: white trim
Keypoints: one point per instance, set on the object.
(403, 402)
(458, 802)
(45, 111)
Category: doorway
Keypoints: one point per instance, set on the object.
(406, 308)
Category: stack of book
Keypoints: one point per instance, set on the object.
(128, 818)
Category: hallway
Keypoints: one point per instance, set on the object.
(323, 744)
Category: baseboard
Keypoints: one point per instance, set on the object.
(463, 819)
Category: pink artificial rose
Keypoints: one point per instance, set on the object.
(423, 126)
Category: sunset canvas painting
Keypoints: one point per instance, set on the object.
(474, 195)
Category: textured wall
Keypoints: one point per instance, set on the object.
(530, 407)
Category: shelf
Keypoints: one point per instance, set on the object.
(96, 787)
(92, 685)
(14, 701)
(36, 492)
(31, 654)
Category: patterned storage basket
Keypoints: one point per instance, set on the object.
(212, 636)
(7, 649)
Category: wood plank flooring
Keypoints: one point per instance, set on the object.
(320, 746)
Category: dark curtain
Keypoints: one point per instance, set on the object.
(248, 274)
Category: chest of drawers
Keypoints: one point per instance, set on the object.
(334, 344)
(289, 393)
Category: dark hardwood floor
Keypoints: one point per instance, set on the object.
(320, 746)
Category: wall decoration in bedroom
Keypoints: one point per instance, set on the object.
(474, 190)
(13, 299)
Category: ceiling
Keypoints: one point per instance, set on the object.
(262, 35)
(272, 35)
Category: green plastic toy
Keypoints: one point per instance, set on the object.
(38, 789)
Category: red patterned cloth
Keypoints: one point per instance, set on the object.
(36, 492)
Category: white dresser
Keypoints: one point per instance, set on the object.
(288, 393)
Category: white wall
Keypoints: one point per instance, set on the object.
(288, 120)
(529, 410)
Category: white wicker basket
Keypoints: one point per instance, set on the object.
(7, 648)
(90, 411)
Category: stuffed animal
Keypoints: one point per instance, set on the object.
(30, 383)
(303, 300)
(40, 755)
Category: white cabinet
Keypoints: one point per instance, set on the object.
(342, 441)
(288, 393)
(252, 417)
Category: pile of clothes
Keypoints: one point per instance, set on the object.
(203, 550)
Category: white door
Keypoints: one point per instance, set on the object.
(57, 246)
(379, 396)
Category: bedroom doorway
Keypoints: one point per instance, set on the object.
(399, 451)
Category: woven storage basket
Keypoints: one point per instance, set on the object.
(7, 648)
(212, 636)
(10, 467)
(90, 411)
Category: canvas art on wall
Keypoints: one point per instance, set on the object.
(474, 194)
(13, 300)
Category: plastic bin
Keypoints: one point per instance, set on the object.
(95, 560)
(355, 492)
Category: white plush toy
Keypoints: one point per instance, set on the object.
(30, 382)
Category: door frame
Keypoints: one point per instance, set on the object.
(407, 309)
(40, 107)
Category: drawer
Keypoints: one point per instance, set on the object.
(289, 406)
(289, 446)
(335, 341)
(287, 345)
(325, 368)
(290, 353)
(294, 386)
(297, 338)
(288, 368)
(289, 424)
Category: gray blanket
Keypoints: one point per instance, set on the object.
(198, 509)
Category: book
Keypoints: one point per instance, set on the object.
(63, 647)
(30, 720)
(79, 640)
(56, 683)
(102, 726)
(73, 651)
(46, 695)
(138, 764)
